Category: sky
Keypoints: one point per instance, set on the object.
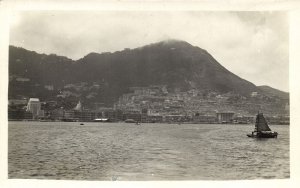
(252, 45)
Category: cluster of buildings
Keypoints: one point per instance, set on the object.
(157, 99)
(156, 104)
(34, 111)
(18, 111)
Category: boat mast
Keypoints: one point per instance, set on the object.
(256, 122)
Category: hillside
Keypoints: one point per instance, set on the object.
(271, 92)
(105, 77)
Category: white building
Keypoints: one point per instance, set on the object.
(78, 107)
(254, 94)
(34, 106)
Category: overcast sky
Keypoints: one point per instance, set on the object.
(253, 45)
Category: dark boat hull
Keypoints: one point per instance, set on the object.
(263, 135)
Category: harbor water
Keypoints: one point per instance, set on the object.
(123, 151)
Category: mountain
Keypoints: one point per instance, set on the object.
(29, 72)
(271, 92)
(176, 64)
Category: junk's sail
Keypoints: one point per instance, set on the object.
(262, 130)
(261, 123)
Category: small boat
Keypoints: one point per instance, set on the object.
(262, 129)
(130, 121)
(81, 123)
(101, 120)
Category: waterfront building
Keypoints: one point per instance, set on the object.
(225, 117)
(133, 114)
(174, 118)
(119, 114)
(69, 114)
(144, 115)
(154, 119)
(204, 119)
(27, 115)
(244, 119)
(34, 106)
(279, 120)
(19, 114)
(85, 115)
(57, 114)
(110, 114)
(41, 113)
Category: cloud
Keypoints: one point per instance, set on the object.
(253, 45)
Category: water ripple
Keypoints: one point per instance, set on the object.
(149, 152)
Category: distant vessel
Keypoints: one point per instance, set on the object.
(130, 121)
(101, 120)
(262, 130)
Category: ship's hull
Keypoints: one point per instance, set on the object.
(263, 135)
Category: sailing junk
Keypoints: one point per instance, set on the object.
(262, 130)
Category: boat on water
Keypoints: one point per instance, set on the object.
(262, 129)
(130, 121)
(101, 120)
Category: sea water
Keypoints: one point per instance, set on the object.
(122, 151)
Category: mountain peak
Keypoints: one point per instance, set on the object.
(173, 43)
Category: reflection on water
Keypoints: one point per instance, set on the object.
(117, 151)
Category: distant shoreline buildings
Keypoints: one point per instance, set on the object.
(155, 104)
(35, 111)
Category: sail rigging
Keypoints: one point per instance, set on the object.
(262, 129)
(261, 123)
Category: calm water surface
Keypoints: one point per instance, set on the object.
(119, 151)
